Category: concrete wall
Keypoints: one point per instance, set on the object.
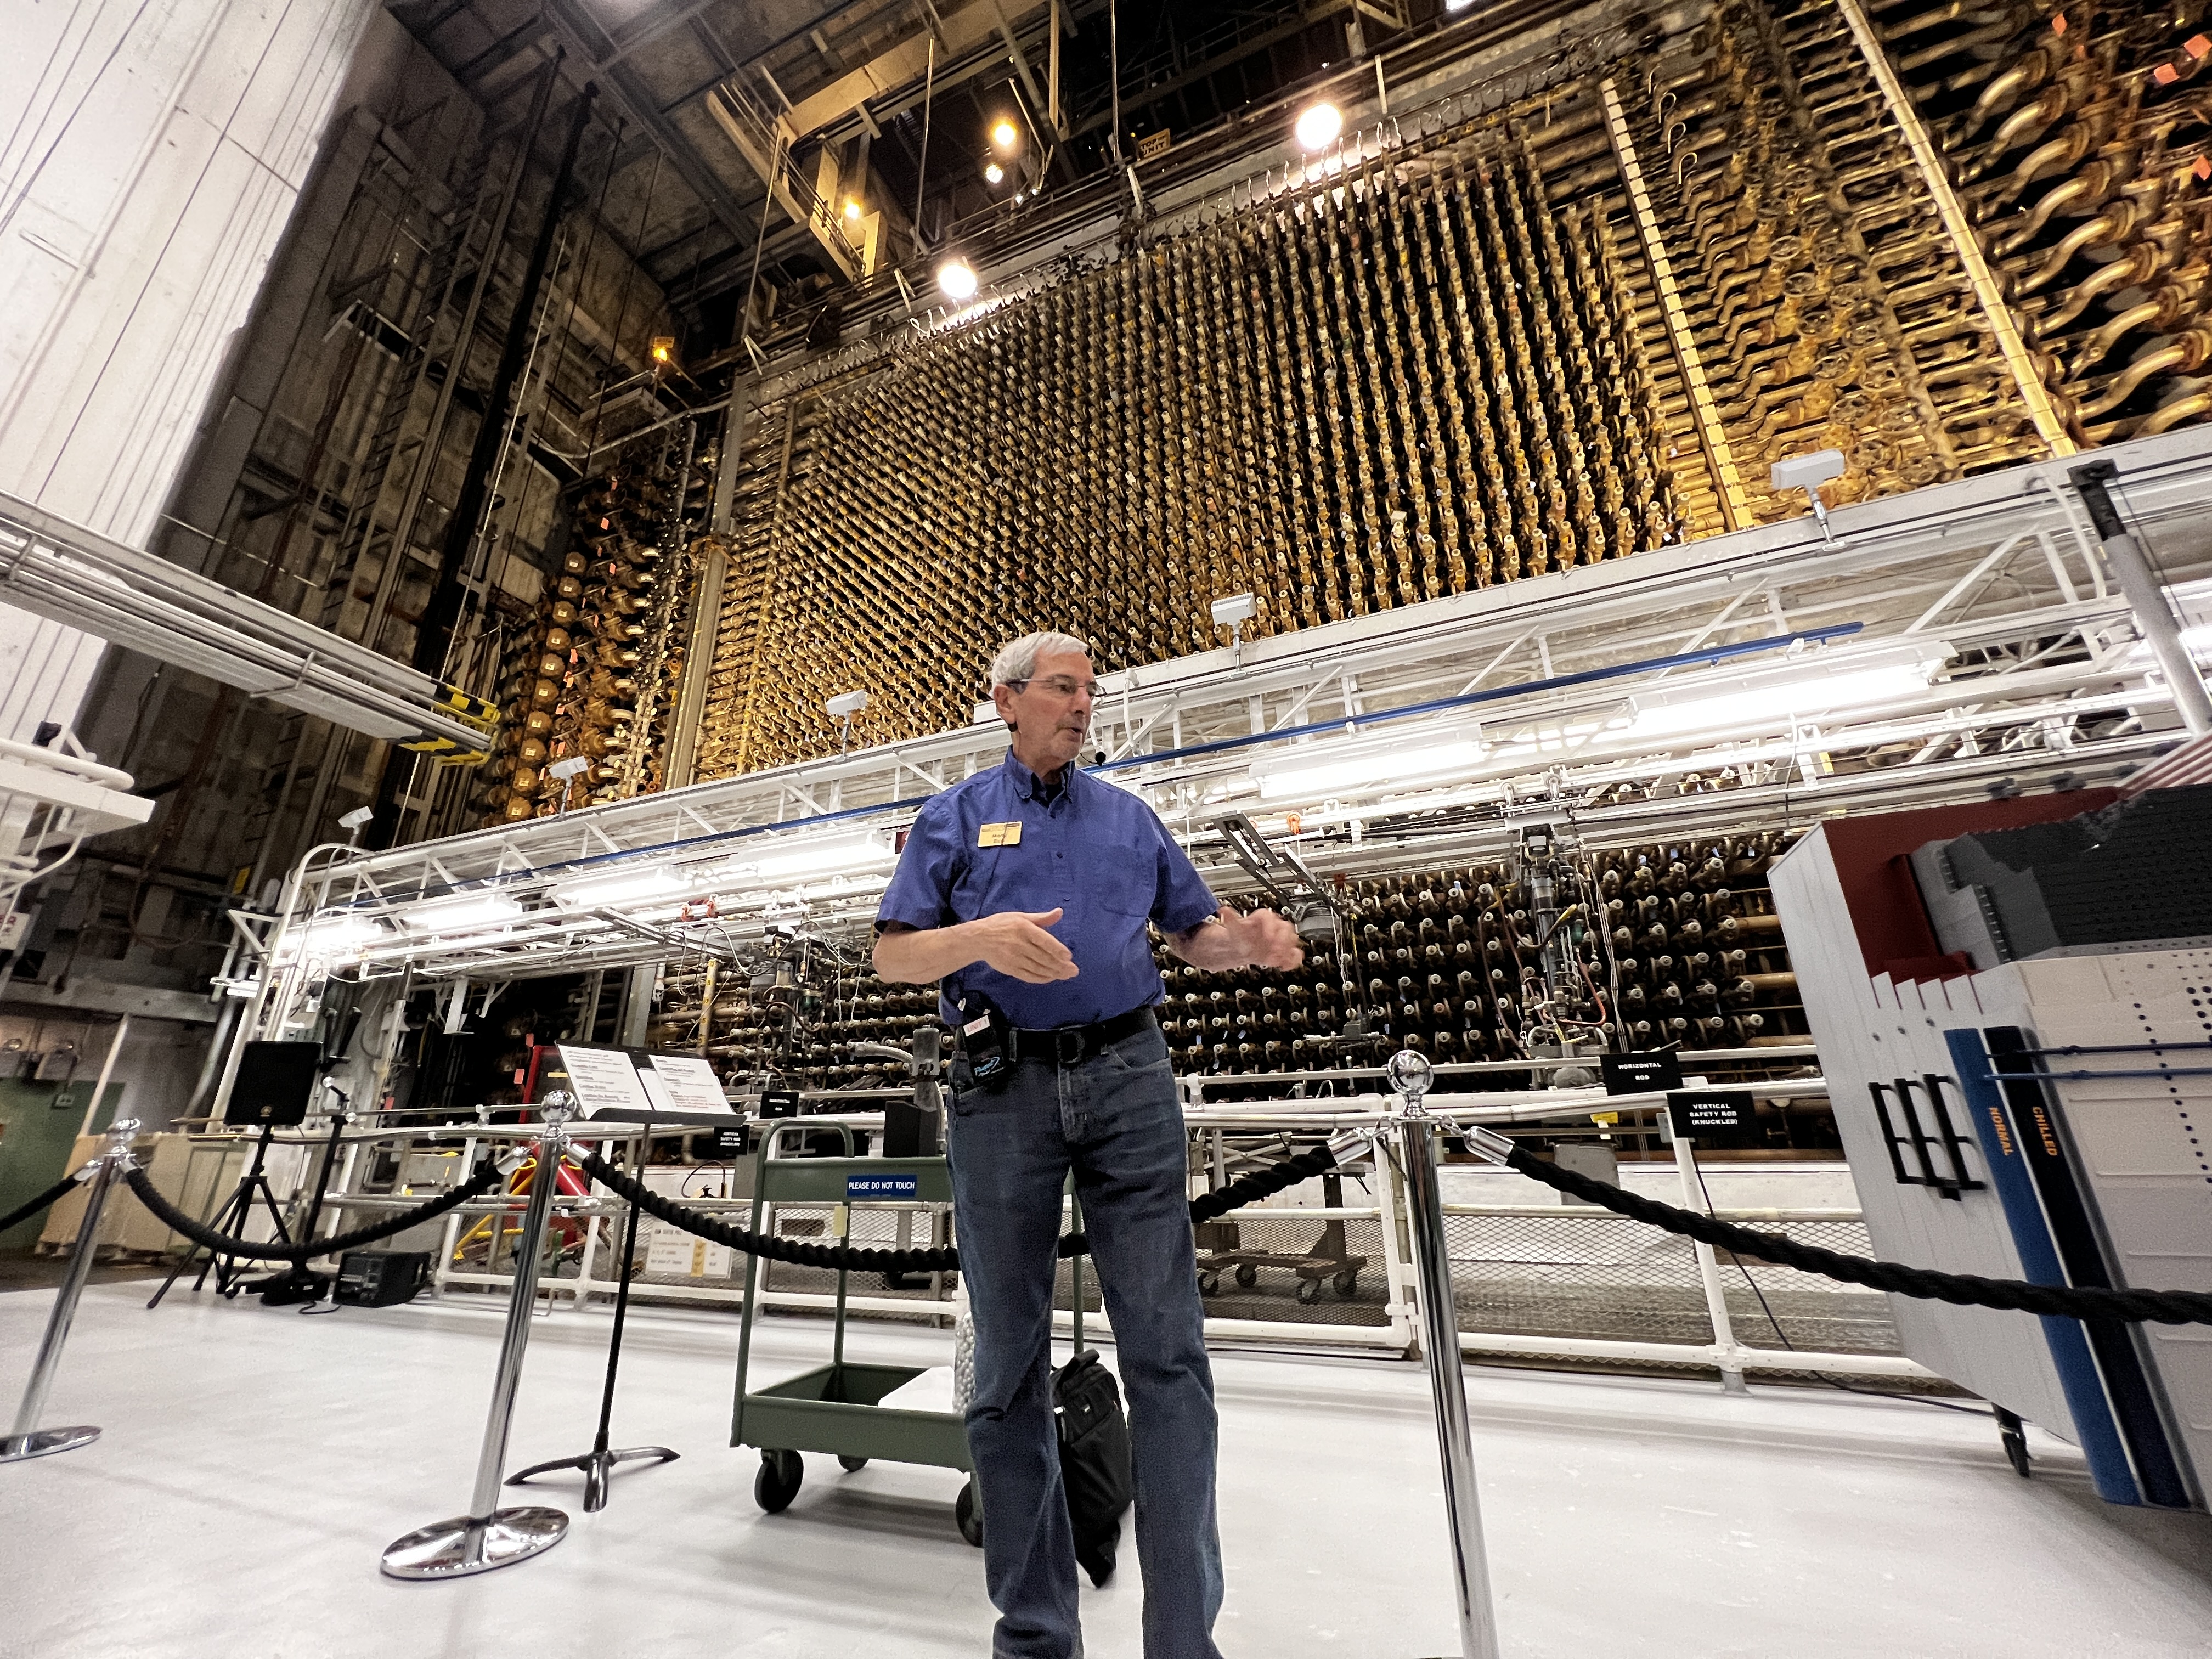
(152, 158)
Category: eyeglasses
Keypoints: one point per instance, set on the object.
(1061, 686)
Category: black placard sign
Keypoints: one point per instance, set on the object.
(1710, 1116)
(779, 1102)
(730, 1142)
(1641, 1074)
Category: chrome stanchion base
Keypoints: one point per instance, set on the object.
(43, 1443)
(465, 1545)
(597, 1466)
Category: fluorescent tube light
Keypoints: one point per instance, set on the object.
(461, 913)
(637, 884)
(1756, 704)
(1369, 774)
(337, 938)
(796, 859)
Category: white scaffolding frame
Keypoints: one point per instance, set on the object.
(2000, 575)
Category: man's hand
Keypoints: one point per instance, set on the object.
(1016, 944)
(1263, 939)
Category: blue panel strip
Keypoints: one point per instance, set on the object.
(2093, 1428)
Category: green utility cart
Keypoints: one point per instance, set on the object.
(834, 1409)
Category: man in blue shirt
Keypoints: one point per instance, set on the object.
(1028, 891)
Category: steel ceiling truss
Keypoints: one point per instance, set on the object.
(2044, 680)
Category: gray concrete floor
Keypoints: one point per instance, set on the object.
(254, 1462)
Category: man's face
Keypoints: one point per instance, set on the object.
(1050, 714)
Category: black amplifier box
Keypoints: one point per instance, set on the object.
(378, 1279)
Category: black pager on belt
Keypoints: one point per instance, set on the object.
(986, 1038)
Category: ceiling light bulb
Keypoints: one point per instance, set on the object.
(956, 280)
(1005, 134)
(1319, 125)
(993, 173)
(852, 207)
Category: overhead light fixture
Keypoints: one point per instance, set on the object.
(334, 938)
(993, 173)
(1005, 134)
(1758, 703)
(1318, 125)
(1375, 770)
(1234, 609)
(803, 857)
(956, 280)
(642, 884)
(664, 348)
(852, 207)
(461, 912)
(1458, 5)
(1808, 472)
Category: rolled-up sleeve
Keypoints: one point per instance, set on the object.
(1184, 900)
(920, 893)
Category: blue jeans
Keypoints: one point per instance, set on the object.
(1114, 1120)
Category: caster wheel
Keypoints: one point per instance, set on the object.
(777, 1483)
(1247, 1276)
(1347, 1283)
(1309, 1291)
(851, 1465)
(1209, 1283)
(967, 1516)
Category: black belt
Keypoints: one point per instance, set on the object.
(1071, 1045)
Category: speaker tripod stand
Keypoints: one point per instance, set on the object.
(253, 1186)
(599, 1463)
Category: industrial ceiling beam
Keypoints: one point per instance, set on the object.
(627, 88)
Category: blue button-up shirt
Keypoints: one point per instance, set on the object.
(1095, 852)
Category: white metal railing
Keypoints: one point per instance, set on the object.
(1549, 1236)
(70, 574)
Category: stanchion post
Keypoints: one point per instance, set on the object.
(26, 1439)
(599, 1463)
(1410, 1076)
(489, 1536)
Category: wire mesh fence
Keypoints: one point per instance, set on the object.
(1593, 1274)
(1573, 1272)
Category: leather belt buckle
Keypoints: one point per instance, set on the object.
(1068, 1045)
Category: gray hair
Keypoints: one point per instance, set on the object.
(1017, 659)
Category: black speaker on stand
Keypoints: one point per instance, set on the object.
(276, 1083)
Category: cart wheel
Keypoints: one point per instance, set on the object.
(963, 1513)
(1209, 1283)
(777, 1483)
(1246, 1275)
(851, 1465)
(1309, 1291)
(1347, 1282)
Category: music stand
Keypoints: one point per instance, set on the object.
(274, 1082)
(599, 1463)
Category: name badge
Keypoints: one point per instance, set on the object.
(999, 835)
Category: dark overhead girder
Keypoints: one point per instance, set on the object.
(602, 57)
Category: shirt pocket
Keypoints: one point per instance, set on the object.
(1124, 881)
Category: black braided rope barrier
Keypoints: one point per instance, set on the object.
(1966, 1290)
(1245, 1189)
(270, 1250)
(53, 1194)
